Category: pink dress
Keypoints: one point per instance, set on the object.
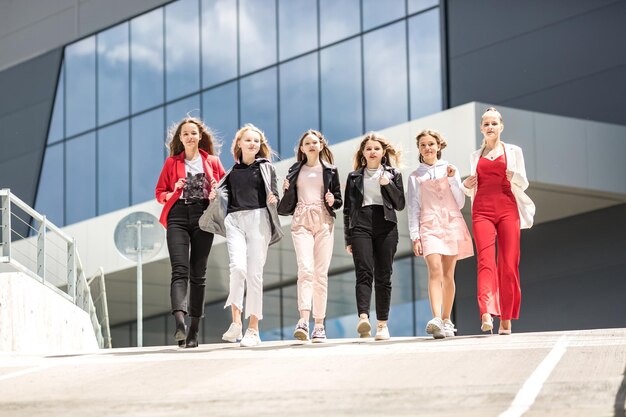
(442, 227)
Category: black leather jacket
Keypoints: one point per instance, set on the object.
(330, 178)
(392, 193)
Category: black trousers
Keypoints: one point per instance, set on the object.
(374, 244)
(189, 248)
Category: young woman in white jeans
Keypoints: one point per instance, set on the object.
(243, 208)
(312, 193)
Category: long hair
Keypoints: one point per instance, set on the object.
(264, 151)
(390, 153)
(207, 140)
(438, 138)
(325, 153)
(495, 112)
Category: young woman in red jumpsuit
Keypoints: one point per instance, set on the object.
(500, 208)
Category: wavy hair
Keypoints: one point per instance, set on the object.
(438, 138)
(390, 152)
(325, 153)
(207, 143)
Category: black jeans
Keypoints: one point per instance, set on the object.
(374, 244)
(188, 266)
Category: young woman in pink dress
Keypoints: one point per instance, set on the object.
(437, 227)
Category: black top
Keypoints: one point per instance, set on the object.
(246, 189)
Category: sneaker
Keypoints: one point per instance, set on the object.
(319, 335)
(382, 332)
(302, 330)
(364, 328)
(233, 334)
(250, 339)
(448, 328)
(435, 327)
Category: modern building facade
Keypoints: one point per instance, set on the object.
(84, 122)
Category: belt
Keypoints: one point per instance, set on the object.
(190, 201)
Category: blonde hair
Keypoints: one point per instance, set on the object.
(325, 153)
(207, 141)
(389, 151)
(264, 151)
(438, 138)
(495, 112)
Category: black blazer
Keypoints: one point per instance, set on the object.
(392, 193)
(330, 178)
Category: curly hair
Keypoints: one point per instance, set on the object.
(325, 153)
(389, 151)
(207, 140)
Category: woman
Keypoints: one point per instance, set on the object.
(186, 179)
(437, 228)
(312, 194)
(499, 209)
(243, 209)
(374, 193)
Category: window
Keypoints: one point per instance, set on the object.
(297, 27)
(339, 19)
(113, 167)
(80, 86)
(219, 112)
(259, 104)
(50, 191)
(113, 79)
(376, 12)
(146, 51)
(182, 48)
(257, 34)
(147, 154)
(56, 132)
(219, 41)
(80, 178)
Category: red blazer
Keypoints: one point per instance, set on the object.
(173, 170)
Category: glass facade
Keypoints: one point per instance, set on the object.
(341, 66)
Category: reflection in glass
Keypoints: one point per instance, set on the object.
(189, 106)
(376, 12)
(113, 167)
(80, 86)
(50, 190)
(219, 41)
(80, 178)
(113, 74)
(425, 64)
(342, 109)
(146, 52)
(297, 27)
(56, 133)
(259, 104)
(418, 5)
(385, 77)
(299, 102)
(182, 48)
(257, 34)
(219, 108)
(339, 19)
(147, 154)
(270, 326)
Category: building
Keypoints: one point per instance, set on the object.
(89, 88)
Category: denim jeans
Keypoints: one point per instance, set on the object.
(189, 248)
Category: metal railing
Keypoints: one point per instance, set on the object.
(38, 248)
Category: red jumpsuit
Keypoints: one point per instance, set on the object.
(495, 218)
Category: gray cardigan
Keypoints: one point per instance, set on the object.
(212, 220)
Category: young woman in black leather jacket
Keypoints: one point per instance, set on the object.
(374, 192)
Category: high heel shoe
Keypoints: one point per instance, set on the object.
(502, 330)
(179, 334)
(192, 340)
(487, 323)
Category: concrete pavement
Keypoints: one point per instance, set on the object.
(578, 373)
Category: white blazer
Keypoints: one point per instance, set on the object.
(519, 182)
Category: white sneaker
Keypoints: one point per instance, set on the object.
(448, 328)
(382, 332)
(364, 327)
(250, 339)
(435, 327)
(233, 334)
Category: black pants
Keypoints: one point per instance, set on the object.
(374, 244)
(188, 266)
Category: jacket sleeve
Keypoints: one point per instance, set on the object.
(456, 188)
(274, 184)
(335, 188)
(347, 207)
(218, 170)
(414, 208)
(165, 183)
(395, 191)
(519, 173)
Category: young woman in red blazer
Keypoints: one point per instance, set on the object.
(186, 179)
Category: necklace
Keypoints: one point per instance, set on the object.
(371, 172)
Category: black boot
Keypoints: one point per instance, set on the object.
(179, 333)
(192, 333)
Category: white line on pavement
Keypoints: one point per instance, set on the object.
(531, 388)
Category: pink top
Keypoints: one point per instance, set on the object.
(310, 184)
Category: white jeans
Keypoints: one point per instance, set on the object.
(248, 235)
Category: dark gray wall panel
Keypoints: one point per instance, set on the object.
(573, 276)
(25, 107)
(504, 51)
